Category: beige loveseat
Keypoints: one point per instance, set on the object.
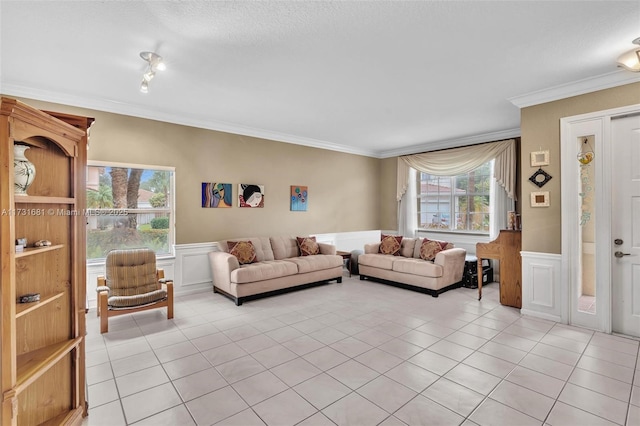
(278, 266)
(409, 270)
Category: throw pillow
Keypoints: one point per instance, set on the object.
(430, 248)
(390, 244)
(308, 246)
(243, 250)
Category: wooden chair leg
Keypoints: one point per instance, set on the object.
(104, 316)
(169, 299)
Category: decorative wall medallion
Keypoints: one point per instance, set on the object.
(540, 178)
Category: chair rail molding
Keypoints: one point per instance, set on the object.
(542, 293)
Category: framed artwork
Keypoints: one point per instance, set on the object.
(540, 178)
(250, 195)
(216, 195)
(539, 158)
(299, 198)
(540, 199)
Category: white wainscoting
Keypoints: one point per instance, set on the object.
(465, 241)
(542, 286)
(349, 241)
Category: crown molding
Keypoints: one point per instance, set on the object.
(453, 143)
(116, 107)
(579, 87)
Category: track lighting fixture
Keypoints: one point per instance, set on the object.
(155, 63)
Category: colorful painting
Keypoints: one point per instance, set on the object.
(250, 195)
(299, 198)
(216, 195)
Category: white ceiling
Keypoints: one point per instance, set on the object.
(380, 78)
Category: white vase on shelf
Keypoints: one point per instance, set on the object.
(23, 170)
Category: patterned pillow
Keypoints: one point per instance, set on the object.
(243, 250)
(390, 244)
(308, 246)
(430, 248)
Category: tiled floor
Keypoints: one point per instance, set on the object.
(357, 353)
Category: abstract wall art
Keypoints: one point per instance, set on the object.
(216, 195)
(250, 195)
(299, 198)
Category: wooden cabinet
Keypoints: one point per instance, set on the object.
(506, 248)
(42, 369)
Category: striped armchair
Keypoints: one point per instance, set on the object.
(131, 284)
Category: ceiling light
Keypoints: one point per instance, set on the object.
(154, 62)
(631, 60)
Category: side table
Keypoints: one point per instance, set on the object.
(346, 258)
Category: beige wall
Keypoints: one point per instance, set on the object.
(540, 126)
(388, 188)
(344, 190)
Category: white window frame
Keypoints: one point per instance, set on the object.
(172, 205)
(452, 202)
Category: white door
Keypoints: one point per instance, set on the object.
(625, 226)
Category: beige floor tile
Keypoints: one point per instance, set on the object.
(216, 406)
(536, 381)
(286, 408)
(489, 364)
(149, 402)
(473, 378)
(353, 374)
(491, 412)
(178, 415)
(563, 415)
(198, 384)
(259, 387)
(601, 384)
(354, 409)
(522, 399)
(594, 403)
(386, 393)
(455, 397)
(412, 376)
(422, 411)
(322, 390)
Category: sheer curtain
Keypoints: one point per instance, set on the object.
(456, 161)
(407, 208)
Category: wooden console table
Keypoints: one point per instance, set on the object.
(506, 249)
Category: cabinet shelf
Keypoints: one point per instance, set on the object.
(32, 365)
(25, 308)
(36, 250)
(40, 199)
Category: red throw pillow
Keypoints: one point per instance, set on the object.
(430, 248)
(243, 250)
(390, 244)
(308, 246)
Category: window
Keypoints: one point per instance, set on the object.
(455, 203)
(129, 206)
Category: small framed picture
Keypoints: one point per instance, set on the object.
(539, 158)
(540, 199)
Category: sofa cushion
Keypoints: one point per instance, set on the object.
(262, 246)
(417, 267)
(261, 271)
(390, 244)
(407, 247)
(316, 262)
(243, 250)
(429, 248)
(308, 246)
(284, 247)
(382, 261)
(419, 241)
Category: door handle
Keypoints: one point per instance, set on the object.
(619, 254)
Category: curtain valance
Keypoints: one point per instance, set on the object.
(457, 161)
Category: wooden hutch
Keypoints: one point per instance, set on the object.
(42, 369)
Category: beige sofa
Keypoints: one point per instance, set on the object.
(278, 266)
(408, 270)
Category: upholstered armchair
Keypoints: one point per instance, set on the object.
(132, 283)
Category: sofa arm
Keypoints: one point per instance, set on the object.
(326, 248)
(222, 264)
(372, 248)
(452, 262)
